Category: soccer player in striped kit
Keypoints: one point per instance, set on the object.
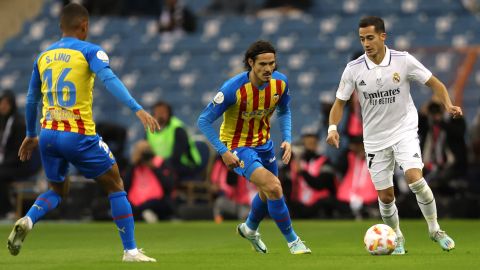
(247, 102)
(382, 79)
(62, 78)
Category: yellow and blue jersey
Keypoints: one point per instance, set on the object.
(66, 71)
(247, 110)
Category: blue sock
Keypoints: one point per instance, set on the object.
(123, 218)
(257, 213)
(279, 212)
(45, 203)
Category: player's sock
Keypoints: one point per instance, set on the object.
(46, 202)
(426, 202)
(123, 218)
(258, 211)
(389, 213)
(279, 212)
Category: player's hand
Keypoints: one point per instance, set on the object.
(287, 152)
(28, 145)
(455, 111)
(231, 160)
(333, 139)
(148, 121)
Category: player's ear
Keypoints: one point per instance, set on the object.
(251, 62)
(383, 36)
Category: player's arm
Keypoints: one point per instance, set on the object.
(119, 91)
(440, 91)
(334, 119)
(211, 113)
(34, 96)
(418, 72)
(285, 121)
(99, 64)
(344, 91)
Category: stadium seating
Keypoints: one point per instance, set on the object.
(313, 50)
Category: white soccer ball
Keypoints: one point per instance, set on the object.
(380, 239)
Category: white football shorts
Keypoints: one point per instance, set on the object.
(381, 164)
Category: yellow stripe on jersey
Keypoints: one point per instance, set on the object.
(67, 88)
(247, 122)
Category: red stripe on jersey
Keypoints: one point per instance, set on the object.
(44, 124)
(266, 106)
(79, 121)
(54, 125)
(239, 126)
(251, 123)
(66, 125)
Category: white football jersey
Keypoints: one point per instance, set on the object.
(388, 111)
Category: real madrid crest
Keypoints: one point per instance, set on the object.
(396, 77)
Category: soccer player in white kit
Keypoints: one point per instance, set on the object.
(382, 78)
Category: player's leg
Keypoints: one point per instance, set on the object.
(258, 211)
(259, 208)
(96, 161)
(409, 157)
(381, 165)
(270, 185)
(55, 167)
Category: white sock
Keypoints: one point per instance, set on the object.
(248, 230)
(132, 252)
(426, 202)
(389, 213)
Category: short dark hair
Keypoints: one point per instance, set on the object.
(162, 103)
(434, 108)
(258, 47)
(377, 22)
(72, 15)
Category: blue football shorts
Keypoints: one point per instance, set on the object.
(252, 158)
(88, 153)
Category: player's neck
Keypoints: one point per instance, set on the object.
(72, 35)
(255, 80)
(378, 58)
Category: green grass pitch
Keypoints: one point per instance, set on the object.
(205, 245)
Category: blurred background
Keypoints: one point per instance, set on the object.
(181, 51)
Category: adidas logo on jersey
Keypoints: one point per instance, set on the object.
(416, 155)
(362, 83)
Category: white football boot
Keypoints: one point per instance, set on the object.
(18, 234)
(139, 257)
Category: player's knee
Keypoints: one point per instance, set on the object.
(274, 189)
(386, 197)
(112, 185)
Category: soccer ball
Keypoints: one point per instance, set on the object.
(380, 240)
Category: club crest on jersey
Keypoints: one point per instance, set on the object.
(218, 99)
(276, 97)
(396, 77)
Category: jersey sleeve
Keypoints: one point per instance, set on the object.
(220, 103)
(224, 98)
(346, 86)
(416, 71)
(97, 58)
(285, 98)
(33, 98)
